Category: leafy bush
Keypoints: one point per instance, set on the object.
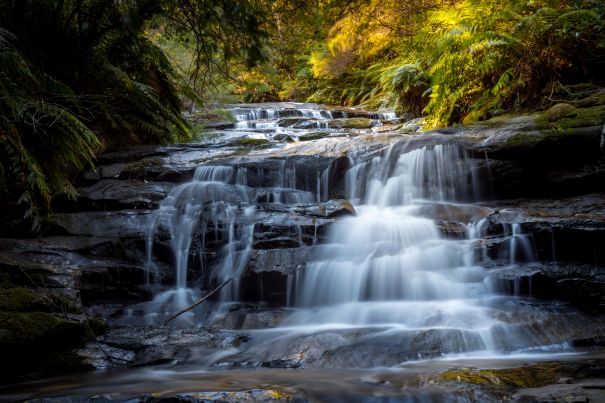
(80, 76)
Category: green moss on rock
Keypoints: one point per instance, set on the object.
(593, 100)
(27, 300)
(313, 136)
(249, 142)
(351, 123)
(21, 299)
(584, 117)
(528, 376)
(38, 327)
(560, 111)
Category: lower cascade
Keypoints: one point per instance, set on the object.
(403, 278)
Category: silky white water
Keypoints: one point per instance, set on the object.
(391, 267)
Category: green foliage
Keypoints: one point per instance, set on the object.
(501, 59)
(80, 76)
(39, 114)
(457, 61)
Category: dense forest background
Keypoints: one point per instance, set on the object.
(78, 77)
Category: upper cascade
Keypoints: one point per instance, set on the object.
(294, 121)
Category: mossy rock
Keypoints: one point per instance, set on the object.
(313, 136)
(24, 328)
(351, 123)
(137, 169)
(22, 300)
(584, 117)
(27, 300)
(528, 376)
(560, 111)
(249, 142)
(39, 327)
(592, 100)
(570, 123)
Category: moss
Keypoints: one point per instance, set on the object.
(353, 123)
(35, 327)
(249, 142)
(5, 280)
(27, 300)
(568, 122)
(313, 136)
(585, 117)
(560, 111)
(522, 138)
(21, 299)
(593, 100)
(94, 327)
(528, 376)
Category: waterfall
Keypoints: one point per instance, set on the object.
(394, 266)
(389, 266)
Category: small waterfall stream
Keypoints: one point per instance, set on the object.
(389, 268)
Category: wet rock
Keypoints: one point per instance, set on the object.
(138, 338)
(329, 209)
(218, 125)
(124, 223)
(584, 391)
(452, 230)
(113, 282)
(150, 345)
(27, 263)
(100, 356)
(278, 230)
(268, 287)
(247, 396)
(263, 319)
(569, 229)
(285, 260)
(178, 165)
(583, 285)
(111, 194)
(67, 265)
(463, 214)
(132, 154)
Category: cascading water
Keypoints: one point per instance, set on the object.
(217, 201)
(391, 267)
(181, 212)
